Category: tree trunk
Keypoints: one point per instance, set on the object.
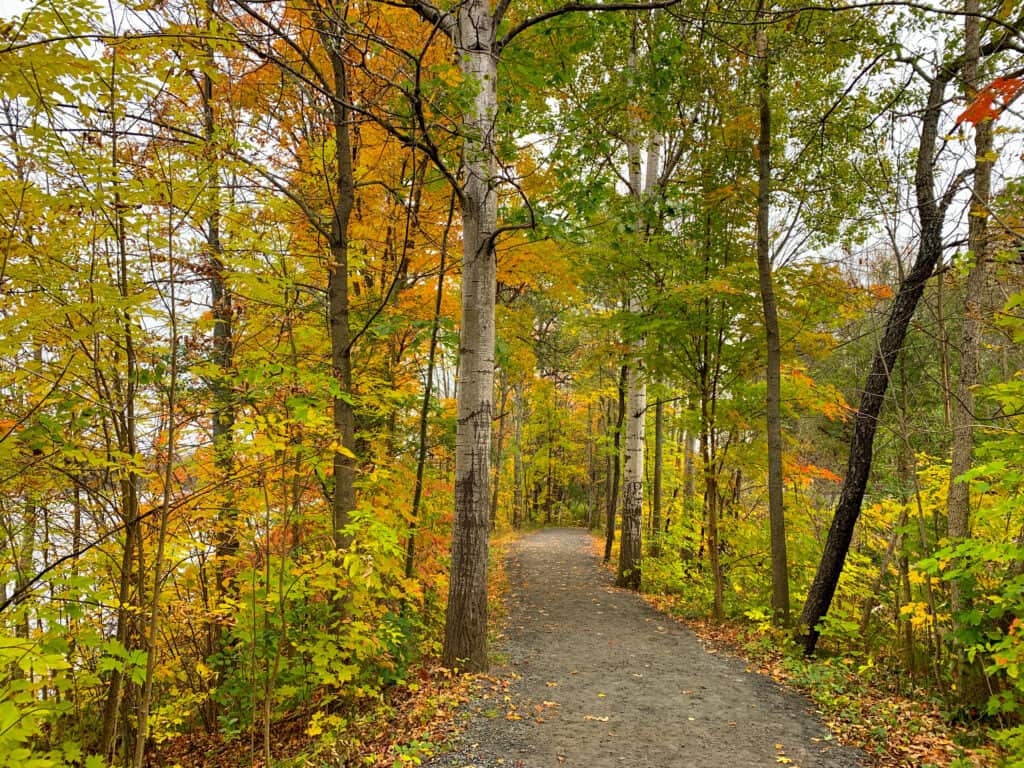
(549, 495)
(631, 552)
(931, 214)
(773, 399)
(659, 449)
(428, 390)
(958, 502)
(711, 514)
(343, 199)
(613, 500)
(465, 639)
(165, 513)
(126, 427)
(689, 479)
(972, 687)
(223, 401)
(517, 460)
(497, 453)
(592, 429)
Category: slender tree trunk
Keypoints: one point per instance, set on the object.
(591, 464)
(609, 459)
(428, 387)
(630, 551)
(689, 479)
(517, 459)
(127, 428)
(343, 201)
(872, 599)
(931, 214)
(221, 301)
(972, 688)
(613, 500)
(499, 445)
(659, 450)
(711, 512)
(465, 640)
(549, 495)
(776, 512)
(223, 402)
(958, 503)
(940, 315)
(158, 560)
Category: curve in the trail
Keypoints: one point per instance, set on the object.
(599, 678)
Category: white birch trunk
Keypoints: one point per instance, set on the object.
(633, 476)
(465, 643)
(630, 552)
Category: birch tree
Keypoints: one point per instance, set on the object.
(472, 27)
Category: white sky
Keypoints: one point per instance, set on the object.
(10, 8)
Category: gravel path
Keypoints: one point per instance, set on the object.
(599, 678)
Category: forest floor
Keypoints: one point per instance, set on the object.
(591, 675)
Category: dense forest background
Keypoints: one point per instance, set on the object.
(303, 300)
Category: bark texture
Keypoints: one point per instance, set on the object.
(616, 459)
(973, 688)
(931, 214)
(630, 551)
(773, 397)
(962, 406)
(656, 489)
(342, 203)
(465, 637)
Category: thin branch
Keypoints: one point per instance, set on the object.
(533, 21)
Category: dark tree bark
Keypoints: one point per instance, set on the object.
(343, 201)
(613, 498)
(223, 412)
(428, 389)
(773, 398)
(656, 490)
(223, 401)
(931, 214)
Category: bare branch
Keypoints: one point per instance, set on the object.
(579, 8)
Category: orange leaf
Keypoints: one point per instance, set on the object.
(984, 106)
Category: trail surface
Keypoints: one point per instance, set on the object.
(599, 678)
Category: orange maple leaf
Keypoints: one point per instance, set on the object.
(984, 106)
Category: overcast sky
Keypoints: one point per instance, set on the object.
(9, 8)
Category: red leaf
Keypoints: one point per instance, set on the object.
(984, 106)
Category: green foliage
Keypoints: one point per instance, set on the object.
(27, 669)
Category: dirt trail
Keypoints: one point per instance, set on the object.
(601, 679)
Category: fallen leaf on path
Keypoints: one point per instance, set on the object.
(599, 718)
